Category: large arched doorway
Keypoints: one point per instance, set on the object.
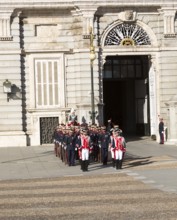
(126, 93)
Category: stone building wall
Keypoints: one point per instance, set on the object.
(29, 29)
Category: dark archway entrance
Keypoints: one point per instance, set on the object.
(126, 93)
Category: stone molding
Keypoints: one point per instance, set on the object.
(27, 3)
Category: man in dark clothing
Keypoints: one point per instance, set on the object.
(70, 147)
(161, 131)
(103, 141)
(94, 142)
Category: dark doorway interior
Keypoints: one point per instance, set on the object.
(125, 93)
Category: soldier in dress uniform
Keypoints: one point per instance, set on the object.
(118, 146)
(103, 141)
(84, 146)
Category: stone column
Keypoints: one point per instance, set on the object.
(172, 126)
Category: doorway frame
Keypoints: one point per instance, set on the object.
(138, 121)
(153, 76)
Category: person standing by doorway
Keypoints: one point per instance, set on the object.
(161, 131)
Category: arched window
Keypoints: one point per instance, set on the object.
(127, 34)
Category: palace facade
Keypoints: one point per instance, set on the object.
(46, 67)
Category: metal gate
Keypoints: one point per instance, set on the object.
(47, 127)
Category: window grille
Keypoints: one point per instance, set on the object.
(127, 35)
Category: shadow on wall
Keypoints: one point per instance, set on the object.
(15, 93)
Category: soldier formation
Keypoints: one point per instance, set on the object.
(89, 144)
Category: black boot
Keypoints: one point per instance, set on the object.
(113, 162)
(86, 165)
(80, 163)
(117, 164)
(83, 165)
(120, 164)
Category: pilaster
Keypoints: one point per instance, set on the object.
(172, 112)
(153, 95)
(5, 24)
(169, 22)
(88, 18)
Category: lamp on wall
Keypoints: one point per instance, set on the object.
(7, 88)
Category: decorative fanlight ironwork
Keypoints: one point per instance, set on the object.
(127, 35)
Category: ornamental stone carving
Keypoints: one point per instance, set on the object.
(128, 15)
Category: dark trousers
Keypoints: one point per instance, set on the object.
(161, 137)
(104, 155)
(95, 152)
(71, 157)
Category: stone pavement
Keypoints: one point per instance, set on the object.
(87, 197)
(145, 160)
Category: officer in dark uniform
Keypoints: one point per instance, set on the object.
(77, 135)
(56, 144)
(59, 140)
(104, 139)
(65, 138)
(94, 142)
(70, 147)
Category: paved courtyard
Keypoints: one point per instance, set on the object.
(37, 185)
